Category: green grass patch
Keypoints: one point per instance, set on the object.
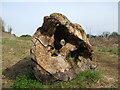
(81, 80)
(91, 76)
(114, 51)
(27, 81)
(104, 51)
(9, 42)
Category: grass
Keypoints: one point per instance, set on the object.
(106, 51)
(29, 81)
(16, 47)
(72, 58)
(114, 51)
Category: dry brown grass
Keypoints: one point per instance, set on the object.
(6, 35)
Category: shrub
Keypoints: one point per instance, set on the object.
(25, 35)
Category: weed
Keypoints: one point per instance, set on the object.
(27, 81)
(72, 58)
(91, 76)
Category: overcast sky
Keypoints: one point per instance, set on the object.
(94, 17)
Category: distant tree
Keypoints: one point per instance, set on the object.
(90, 36)
(14, 35)
(90, 33)
(9, 29)
(2, 28)
(114, 34)
(25, 35)
(106, 34)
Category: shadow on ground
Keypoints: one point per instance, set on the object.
(20, 68)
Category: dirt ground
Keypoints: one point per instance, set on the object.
(14, 64)
(107, 62)
(15, 59)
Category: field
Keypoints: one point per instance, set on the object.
(16, 65)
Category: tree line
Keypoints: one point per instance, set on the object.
(105, 34)
(2, 26)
